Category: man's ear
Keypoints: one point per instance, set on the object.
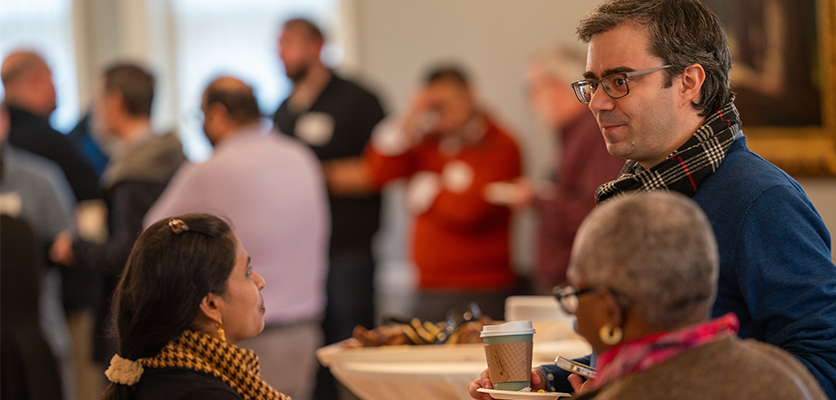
(209, 307)
(216, 111)
(690, 86)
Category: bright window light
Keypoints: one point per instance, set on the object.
(238, 38)
(45, 26)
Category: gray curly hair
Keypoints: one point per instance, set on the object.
(655, 248)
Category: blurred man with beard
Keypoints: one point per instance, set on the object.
(335, 117)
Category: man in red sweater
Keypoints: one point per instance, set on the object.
(451, 152)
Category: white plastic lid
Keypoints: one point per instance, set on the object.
(508, 329)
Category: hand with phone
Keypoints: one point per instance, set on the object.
(574, 367)
(579, 372)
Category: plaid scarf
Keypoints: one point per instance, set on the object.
(235, 366)
(643, 353)
(687, 166)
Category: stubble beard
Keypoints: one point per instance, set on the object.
(299, 74)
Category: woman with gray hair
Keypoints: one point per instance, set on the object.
(643, 273)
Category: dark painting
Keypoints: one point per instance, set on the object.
(775, 56)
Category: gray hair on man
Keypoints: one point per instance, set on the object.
(655, 248)
(563, 62)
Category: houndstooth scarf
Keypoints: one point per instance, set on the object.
(235, 366)
(687, 166)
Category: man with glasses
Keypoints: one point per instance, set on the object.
(666, 108)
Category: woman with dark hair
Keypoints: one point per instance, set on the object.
(187, 295)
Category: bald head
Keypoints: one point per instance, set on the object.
(236, 96)
(228, 103)
(27, 81)
(18, 64)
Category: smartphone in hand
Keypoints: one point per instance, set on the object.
(574, 367)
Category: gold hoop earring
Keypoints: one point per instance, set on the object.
(610, 334)
(221, 334)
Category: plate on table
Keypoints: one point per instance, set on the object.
(513, 395)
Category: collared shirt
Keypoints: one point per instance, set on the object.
(270, 187)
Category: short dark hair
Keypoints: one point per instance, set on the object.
(682, 32)
(165, 279)
(238, 100)
(308, 26)
(136, 86)
(448, 73)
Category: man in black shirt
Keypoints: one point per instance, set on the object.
(335, 117)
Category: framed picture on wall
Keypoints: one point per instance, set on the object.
(784, 77)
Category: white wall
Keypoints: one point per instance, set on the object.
(822, 192)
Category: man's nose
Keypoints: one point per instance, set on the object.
(601, 100)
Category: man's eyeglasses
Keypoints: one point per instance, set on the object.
(567, 296)
(614, 84)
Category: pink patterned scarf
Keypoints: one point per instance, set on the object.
(643, 353)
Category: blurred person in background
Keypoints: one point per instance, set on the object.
(30, 96)
(335, 117)
(37, 353)
(643, 279)
(135, 177)
(28, 366)
(271, 187)
(451, 151)
(38, 201)
(582, 163)
(92, 143)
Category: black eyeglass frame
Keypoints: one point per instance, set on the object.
(593, 84)
(564, 292)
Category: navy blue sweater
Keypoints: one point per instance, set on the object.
(776, 271)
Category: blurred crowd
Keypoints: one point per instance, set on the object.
(304, 195)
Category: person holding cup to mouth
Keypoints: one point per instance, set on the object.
(643, 277)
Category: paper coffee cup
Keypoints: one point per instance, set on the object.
(508, 349)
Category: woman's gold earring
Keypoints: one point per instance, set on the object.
(610, 334)
(221, 334)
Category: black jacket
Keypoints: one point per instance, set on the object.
(32, 133)
(132, 185)
(181, 384)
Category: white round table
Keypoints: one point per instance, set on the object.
(424, 372)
